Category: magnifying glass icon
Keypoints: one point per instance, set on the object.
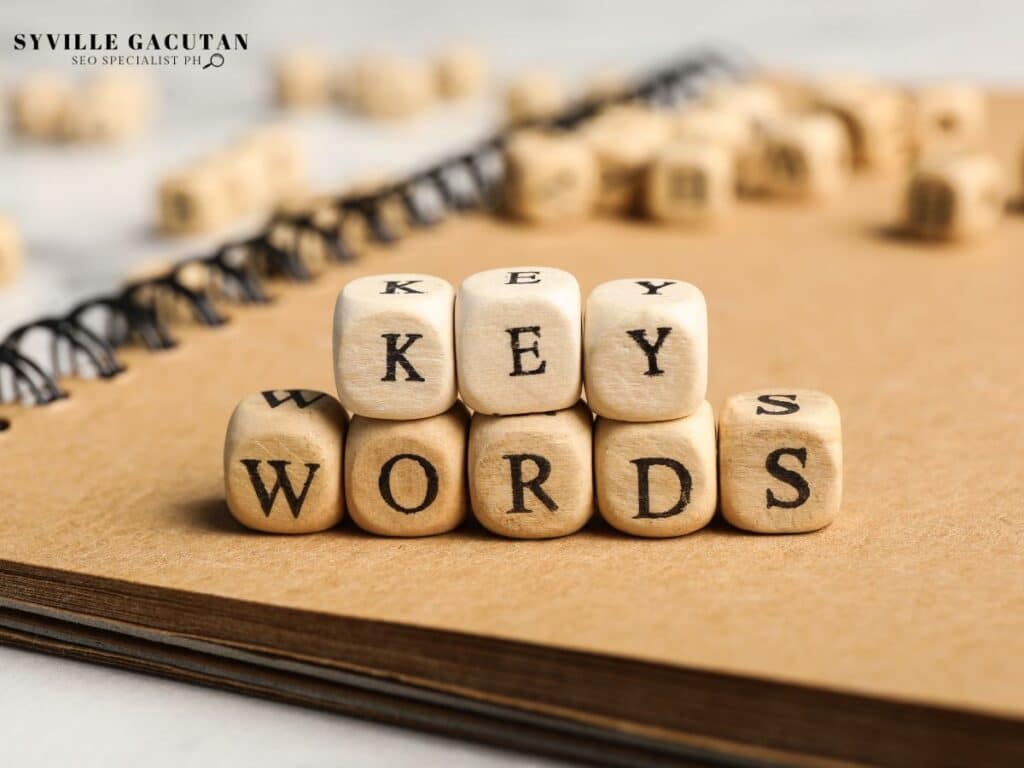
(216, 61)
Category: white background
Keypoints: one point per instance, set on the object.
(86, 216)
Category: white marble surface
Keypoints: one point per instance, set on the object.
(86, 216)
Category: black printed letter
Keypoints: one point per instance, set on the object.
(400, 286)
(523, 278)
(283, 484)
(396, 356)
(518, 351)
(654, 288)
(515, 461)
(651, 350)
(779, 401)
(643, 479)
(298, 395)
(384, 483)
(788, 476)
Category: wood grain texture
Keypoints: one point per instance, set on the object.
(896, 632)
(407, 478)
(657, 479)
(283, 461)
(394, 346)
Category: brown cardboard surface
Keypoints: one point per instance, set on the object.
(915, 594)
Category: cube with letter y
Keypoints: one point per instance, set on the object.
(780, 460)
(519, 340)
(283, 461)
(394, 349)
(645, 349)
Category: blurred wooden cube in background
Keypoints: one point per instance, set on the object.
(462, 72)
(956, 196)
(534, 95)
(302, 79)
(550, 178)
(691, 182)
(806, 157)
(11, 256)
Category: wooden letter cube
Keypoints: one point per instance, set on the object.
(533, 96)
(38, 106)
(302, 79)
(955, 197)
(950, 117)
(876, 119)
(624, 141)
(192, 201)
(392, 88)
(549, 178)
(780, 460)
(690, 183)
(756, 102)
(807, 157)
(461, 72)
(518, 340)
(283, 461)
(645, 349)
(394, 347)
(10, 251)
(530, 476)
(407, 478)
(657, 479)
(282, 158)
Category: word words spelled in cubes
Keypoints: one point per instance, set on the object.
(646, 349)
(659, 479)
(394, 353)
(530, 477)
(283, 461)
(781, 460)
(407, 478)
(519, 341)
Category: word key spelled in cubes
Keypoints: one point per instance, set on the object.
(550, 178)
(781, 460)
(530, 477)
(691, 183)
(394, 355)
(407, 478)
(283, 461)
(519, 340)
(659, 479)
(953, 197)
(646, 349)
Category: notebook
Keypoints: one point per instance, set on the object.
(896, 635)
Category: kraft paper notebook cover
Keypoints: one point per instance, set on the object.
(896, 635)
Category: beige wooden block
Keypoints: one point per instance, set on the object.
(534, 96)
(807, 157)
(192, 201)
(302, 79)
(392, 88)
(282, 157)
(658, 479)
(645, 349)
(170, 306)
(38, 104)
(243, 174)
(953, 197)
(530, 477)
(876, 119)
(624, 140)
(518, 340)
(780, 460)
(757, 102)
(549, 178)
(394, 346)
(283, 461)
(111, 107)
(462, 72)
(407, 478)
(690, 182)
(731, 130)
(11, 256)
(949, 117)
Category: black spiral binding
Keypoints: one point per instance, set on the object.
(467, 181)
